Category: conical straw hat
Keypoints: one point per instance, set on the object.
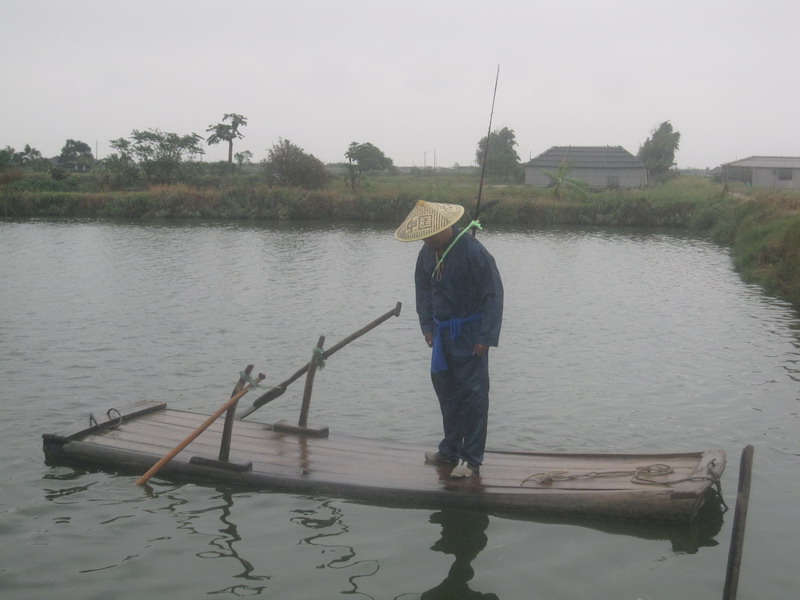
(426, 219)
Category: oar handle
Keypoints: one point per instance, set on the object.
(191, 437)
(395, 312)
(279, 389)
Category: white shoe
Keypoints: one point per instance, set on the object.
(433, 457)
(464, 470)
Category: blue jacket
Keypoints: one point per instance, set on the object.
(470, 285)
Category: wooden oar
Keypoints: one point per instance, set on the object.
(279, 389)
(174, 452)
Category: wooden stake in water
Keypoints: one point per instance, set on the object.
(739, 519)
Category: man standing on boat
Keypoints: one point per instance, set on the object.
(460, 307)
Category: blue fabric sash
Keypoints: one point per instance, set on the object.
(438, 361)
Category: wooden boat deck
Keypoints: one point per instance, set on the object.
(393, 473)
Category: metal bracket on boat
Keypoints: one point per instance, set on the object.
(114, 419)
(302, 427)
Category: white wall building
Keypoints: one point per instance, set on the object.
(599, 166)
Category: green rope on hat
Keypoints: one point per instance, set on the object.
(476, 224)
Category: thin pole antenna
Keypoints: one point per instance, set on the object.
(485, 153)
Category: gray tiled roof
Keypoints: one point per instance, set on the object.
(769, 162)
(586, 157)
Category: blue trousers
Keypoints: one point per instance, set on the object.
(463, 392)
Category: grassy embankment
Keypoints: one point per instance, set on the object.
(762, 227)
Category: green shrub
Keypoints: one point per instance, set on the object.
(39, 182)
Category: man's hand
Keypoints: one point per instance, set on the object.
(480, 350)
(429, 338)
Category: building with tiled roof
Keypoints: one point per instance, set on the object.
(765, 171)
(600, 167)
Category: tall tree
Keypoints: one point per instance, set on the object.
(227, 132)
(658, 151)
(160, 154)
(362, 158)
(32, 159)
(290, 165)
(8, 166)
(76, 156)
(120, 165)
(29, 158)
(368, 157)
(502, 161)
(7, 155)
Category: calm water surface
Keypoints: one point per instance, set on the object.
(612, 341)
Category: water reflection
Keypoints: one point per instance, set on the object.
(331, 524)
(224, 544)
(685, 538)
(463, 535)
(208, 515)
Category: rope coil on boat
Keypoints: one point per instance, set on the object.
(641, 475)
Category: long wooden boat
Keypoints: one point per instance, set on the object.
(655, 487)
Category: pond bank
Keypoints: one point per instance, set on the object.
(762, 227)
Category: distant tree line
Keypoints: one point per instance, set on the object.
(155, 157)
(75, 156)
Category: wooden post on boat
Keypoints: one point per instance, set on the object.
(302, 424)
(206, 424)
(739, 519)
(312, 369)
(227, 430)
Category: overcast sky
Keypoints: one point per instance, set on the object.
(415, 78)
